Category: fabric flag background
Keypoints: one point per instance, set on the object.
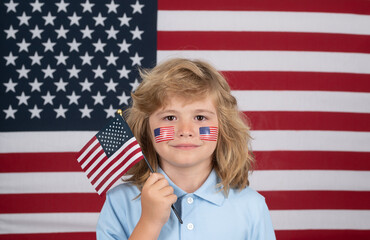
(299, 69)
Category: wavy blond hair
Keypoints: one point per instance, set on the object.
(192, 79)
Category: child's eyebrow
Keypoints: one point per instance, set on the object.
(166, 112)
(204, 111)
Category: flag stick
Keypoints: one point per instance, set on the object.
(119, 111)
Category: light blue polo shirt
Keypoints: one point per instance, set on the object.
(207, 214)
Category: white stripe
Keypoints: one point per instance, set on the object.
(264, 141)
(115, 164)
(314, 101)
(120, 171)
(96, 162)
(63, 141)
(320, 219)
(277, 60)
(311, 141)
(281, 219)
(48, 222)
(263, 21)
(287, 180)
(92, 156)
(110, 159)
(88, 149)
(64, 182)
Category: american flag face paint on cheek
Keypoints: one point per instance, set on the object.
(208, 133)
(163, 134)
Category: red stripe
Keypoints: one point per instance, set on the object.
(332, 121)
(101, 162)
(51, 203)
(290, 200)
(93, 139)
(331, 6)
(298, 81)
(312, 160)
(90, 153)
(50, 236)
(39, 162)
(322, 234)
(286, 41)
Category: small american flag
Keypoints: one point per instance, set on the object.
(164, 134)
(109, 154)
(208, 133)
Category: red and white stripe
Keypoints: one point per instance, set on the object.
(212, 136)
(165, 134)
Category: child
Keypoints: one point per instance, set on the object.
(190, 130)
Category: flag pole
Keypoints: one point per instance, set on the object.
(120, 112)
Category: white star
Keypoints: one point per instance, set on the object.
(61, 112)
(85, 111)
(23, 46)
(10, 33)
(136, 33)
(99, 46)
(48, 99)
(98, 72)
(112, 33)
(124, 46)
(49, 19)
(48, 72)
(136, 59)
(110, 111)
(134, 85)
(98, 99)
(23, 19)
(10, 59)
(123, 72)
(73, 98)
(11, 6)
(86, 85)
(123, 99)
(35, 85)
(36, 32)
(87, 32)
(36, 6)
(23, 99)
(10, 86)
(35, 112)
(62, 6)
(49, 46)
(86, 59)
(136, 7)
(112, 7)
(74, 45)
(61, 58)
(62, 32)
(36, 59)
(10, 112)
(23, 72)
(87, 6)
(61, 86)
(111, 86)
(74, 19)
(111, 59)
(99, 20)
(124, 20)
(73, 72)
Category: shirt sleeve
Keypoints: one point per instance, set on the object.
(109, 226)
(263, 229)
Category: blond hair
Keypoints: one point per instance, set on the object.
(192, 79)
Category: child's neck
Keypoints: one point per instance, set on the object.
(188, 179)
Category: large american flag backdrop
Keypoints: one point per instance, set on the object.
(299, 69)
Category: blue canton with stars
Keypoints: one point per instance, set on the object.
(69, 65)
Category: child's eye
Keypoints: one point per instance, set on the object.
(170, 118)
(200, 118)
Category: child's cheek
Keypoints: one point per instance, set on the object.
(208, 133)
(163, 134)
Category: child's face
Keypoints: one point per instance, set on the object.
(186, 149)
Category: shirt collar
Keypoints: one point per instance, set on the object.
(208, 191)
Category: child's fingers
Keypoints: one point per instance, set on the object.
(166, 191)
(153, 178)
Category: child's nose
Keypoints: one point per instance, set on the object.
(185, 129)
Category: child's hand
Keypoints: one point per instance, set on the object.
(156, 200)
